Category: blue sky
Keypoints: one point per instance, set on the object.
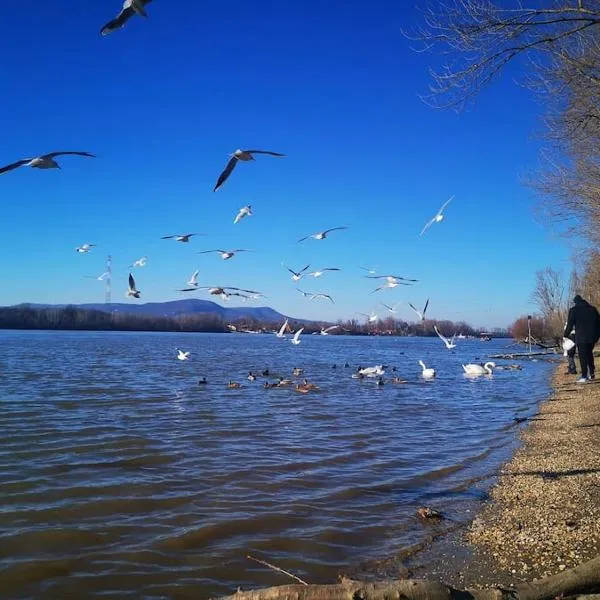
(333, 85)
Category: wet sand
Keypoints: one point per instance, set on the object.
(543, 515)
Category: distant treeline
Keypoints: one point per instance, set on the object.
(74, 318)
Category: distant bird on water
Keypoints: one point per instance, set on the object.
(244, 212)
(320, 235)
(132, 291)
(45, 161)
(130, 8)
(244, 155)
(428, 373)
(185, 238)
(84, 248)
(438, 217)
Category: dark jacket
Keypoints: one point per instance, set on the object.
(586, 320)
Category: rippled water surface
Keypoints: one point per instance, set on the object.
(120, 476)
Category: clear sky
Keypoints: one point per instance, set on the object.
(334, 85)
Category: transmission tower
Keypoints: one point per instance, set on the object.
(108, 280)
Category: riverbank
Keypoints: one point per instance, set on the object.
(543, 515)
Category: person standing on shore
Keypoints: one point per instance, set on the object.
(585, 319)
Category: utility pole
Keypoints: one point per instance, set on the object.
(529, 331)
(108, 282)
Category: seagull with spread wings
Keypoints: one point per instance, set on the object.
(438, 217)
(132, 291)
(420, 314)
(393, 309)
(320, 235)
(184, 237)
(193, 282)
(140, 262)
(296, 339)
(225, 254)
(372, 318)
(243, 155)
(84, 248)
(314, 296)
(320, 272)
(448, 343)
(326, 330)
(297, 275)
(281, 333)
(244, 212)
(45, 161)
(130, 8)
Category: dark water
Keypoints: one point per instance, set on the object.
(120, 476)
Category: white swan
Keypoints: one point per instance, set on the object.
(477, 370)
(428, 373)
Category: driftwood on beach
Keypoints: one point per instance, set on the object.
(584, 579)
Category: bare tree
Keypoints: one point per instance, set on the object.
(550, 295)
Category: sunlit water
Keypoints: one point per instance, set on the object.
(119, 475)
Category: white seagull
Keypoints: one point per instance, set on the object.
(223, 291)
(420, 314)
(85, 248)
(45, 161)
(244, 212)
(140, 262)
(296, 339)
(181, 355)
(225, 254)
(193, 282)
(130, 8)
(427, 373)
(320, 235)
(393, 309)
(328, 329)
(393, 279)
(312, 296)
(372, 318)
(244, 155)
(132, 291)
(438, 217)
(297, 275)
(185, 237)
(281, 333)
(320, 272)
(474, 370)
(449, 343)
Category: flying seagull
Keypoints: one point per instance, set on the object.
(238, 155)
(312, 296)
(296, 339)
(132, 291)
(100, 277)
(45, 161)
(393, 308)
(370, 271)
(392, 278)
(225, 254)
(320, 272)
(140, 262)
(449, 343)
(281, 333)
(297, 275)
(181, 355)
(389, 284)
(223, 291)
(372, 318)
(328, 329)
(420, 314)
(193, 282)
(180, 238)
(85, 248)
(243, 212)
(320, 235)
(130, 8)
(438, 217)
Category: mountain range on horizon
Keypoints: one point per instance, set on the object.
(175, 308)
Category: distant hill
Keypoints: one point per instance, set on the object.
(175, 308)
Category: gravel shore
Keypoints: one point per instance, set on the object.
(544, 512)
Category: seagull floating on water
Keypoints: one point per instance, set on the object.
(130, 8)
(320, 272)
(449, 343)
(297, 275)
(225, 254)
(296, 339)
(140, 262)
(244, 212)
(244, 155)
(132, 291)
(314, 296)
(438, 217)
(184, 237)
(45, 161)
(84, 248)
(320, 235)
(428, 373)
(181, 355)
(420, 314)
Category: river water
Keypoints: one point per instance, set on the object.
(120, 476)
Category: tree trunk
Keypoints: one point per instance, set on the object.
(582, 579)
